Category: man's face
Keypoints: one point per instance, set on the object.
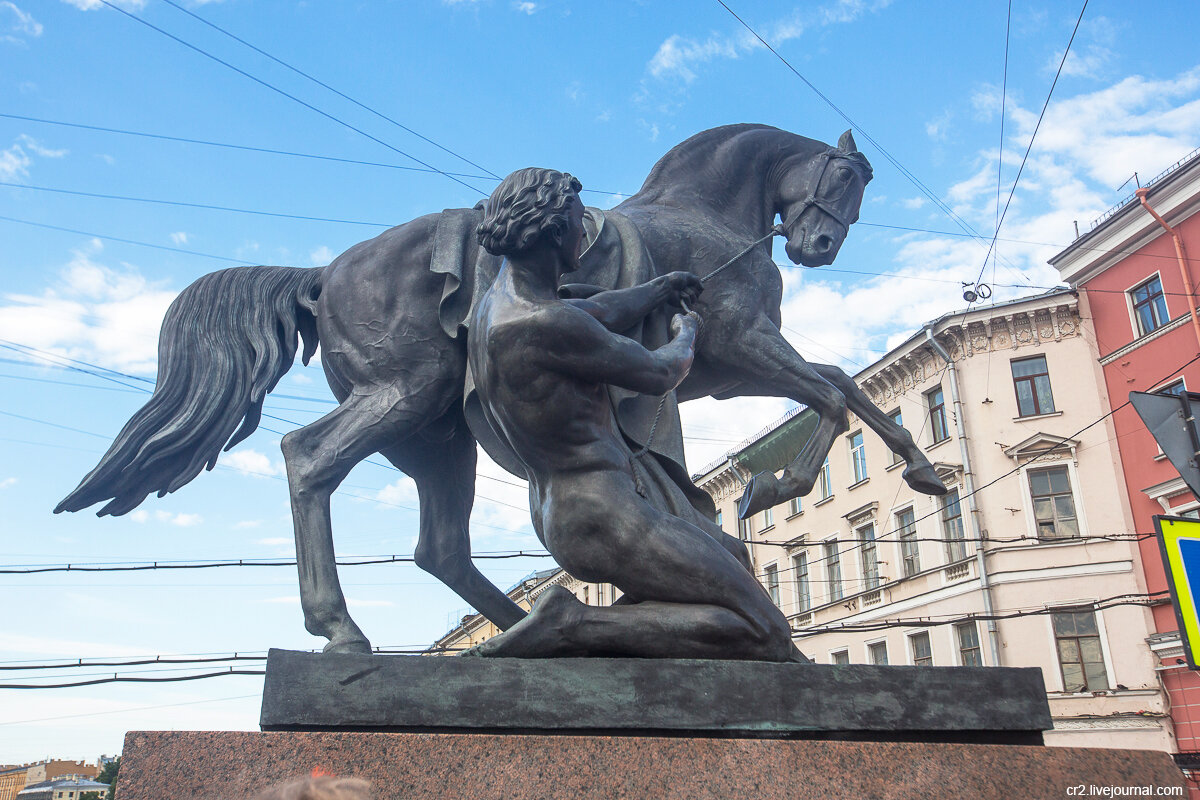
(572, 240)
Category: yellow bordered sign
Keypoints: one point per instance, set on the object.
(1179, 540)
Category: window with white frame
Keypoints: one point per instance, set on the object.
(840, 657)
(720, 520)
(803, 591)
(969, 652)
(794, 507)
(1031, 380)
(768, 519)
(922, 650)
(824, 483)
(870, 556)
(906, 526)
(744, 529)
(833, 570)
(1149, 306)
(899, 422)
(952, 527)
(1053, 503)
(877, 652)
(1178, 388)
(1077, 638)
(771, 577)
(858, 457)
(936, 404)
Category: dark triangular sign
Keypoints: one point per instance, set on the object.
(1172, 420)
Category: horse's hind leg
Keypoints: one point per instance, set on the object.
(443, 468)
(318, 457)
(919, 473)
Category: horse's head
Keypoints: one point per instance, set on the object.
(819, 199)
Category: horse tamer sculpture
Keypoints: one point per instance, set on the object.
(392, 318)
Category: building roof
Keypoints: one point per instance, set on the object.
(70, 784)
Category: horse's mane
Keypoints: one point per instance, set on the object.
(713, 158)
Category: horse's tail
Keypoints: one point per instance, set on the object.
(225, 342)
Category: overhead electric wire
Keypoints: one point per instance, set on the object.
(149, 566)
(230, 146)
(324, 85)
(62, 229)
(1032, 138)
(119, 679)
(292, 97)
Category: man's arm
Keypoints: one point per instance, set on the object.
(575, 344)
(620, 309)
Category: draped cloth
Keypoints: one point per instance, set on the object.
(614, 257)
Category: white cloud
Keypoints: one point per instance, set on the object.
(249, 461)
(92, 5)
(16, 24)
(913, 203)
(181, 520)
(679, 57)
(40, 149)
(14, 163)
(526, 7)
(937, 127)
(179, 237)
(14, 643)
(7, 482)
(321, 256)
(92, 313)
(402, 492)
(185, 520)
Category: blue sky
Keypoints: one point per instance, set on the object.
(598, 89)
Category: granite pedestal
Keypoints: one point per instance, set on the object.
(425, 727)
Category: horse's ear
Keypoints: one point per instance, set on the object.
(846, 143)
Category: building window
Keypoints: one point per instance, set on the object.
(899, 422)
(586, 601)
(720, 520)
(824, 484)
(878, 653)
(768, 519)
(1031, 379)
(1149, 306)
(1079, 653)
(744, 529)
(922, 652)
(794, 507)
(906, 525)
(968, 644)
(771, 575)
(952, 527)
(1053, 503)
(858, 457)
(1177, 388)
(937, 415)
(840, 657)
(833, 570)
(803, 594)
(870, 556)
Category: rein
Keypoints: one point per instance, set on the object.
(778, 230)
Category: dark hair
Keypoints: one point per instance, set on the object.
(527, 205)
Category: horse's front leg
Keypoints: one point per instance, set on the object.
(919, 473)
(766, 364)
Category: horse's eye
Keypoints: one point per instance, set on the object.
(843, 175)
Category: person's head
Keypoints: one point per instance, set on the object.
(530, 206)
(324, 788)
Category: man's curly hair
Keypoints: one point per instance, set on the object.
(527, 205)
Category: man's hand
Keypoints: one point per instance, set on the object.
(682, 287)
(685, 323)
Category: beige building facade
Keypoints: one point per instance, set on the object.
(1028, 562)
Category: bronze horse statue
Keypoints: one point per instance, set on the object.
(389, 316)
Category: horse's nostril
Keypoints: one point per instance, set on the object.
(823, 243)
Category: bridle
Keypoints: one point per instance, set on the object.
(814, 199)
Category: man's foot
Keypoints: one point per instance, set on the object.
(762, 492)
(542, 634)
(921, 476)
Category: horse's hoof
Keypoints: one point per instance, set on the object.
(360, 646)
(760, 493)
(924, 478)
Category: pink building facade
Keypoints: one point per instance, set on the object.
(1135, 279)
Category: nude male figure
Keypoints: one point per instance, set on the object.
(541, 368)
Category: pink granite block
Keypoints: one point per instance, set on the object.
(416, 766)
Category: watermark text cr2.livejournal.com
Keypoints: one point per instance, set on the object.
(1093, 790)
